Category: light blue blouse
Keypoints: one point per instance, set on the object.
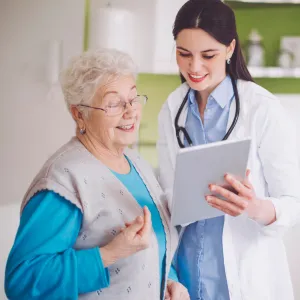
(200, 254)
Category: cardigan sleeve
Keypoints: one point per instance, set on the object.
(42, 263)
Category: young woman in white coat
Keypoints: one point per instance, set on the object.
(240, 255)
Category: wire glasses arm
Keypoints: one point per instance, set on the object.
(93, 107)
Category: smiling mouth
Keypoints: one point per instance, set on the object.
(197, 78)
(127, 128)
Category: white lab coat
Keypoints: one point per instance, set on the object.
(254, 255)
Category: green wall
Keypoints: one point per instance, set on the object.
(157, 88)
(272, 22)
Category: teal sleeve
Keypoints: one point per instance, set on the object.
(42, 263)
(173, 274)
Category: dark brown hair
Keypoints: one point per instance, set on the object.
(218, 20)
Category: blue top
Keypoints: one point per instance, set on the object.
(200, 254)
(136, 186)
(44, 265)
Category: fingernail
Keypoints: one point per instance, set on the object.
(212, 187)
(228, 176)
(208, 198)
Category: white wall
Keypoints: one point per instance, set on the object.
(164, 47)
(144, 14)
(32, 125)
(292, 239)
(154, 44)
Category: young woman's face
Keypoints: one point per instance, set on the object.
(201, 59)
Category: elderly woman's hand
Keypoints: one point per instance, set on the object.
(135, 237)
(176, 291)
(241, 199)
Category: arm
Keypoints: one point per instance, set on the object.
(278, 153)
(42, 263)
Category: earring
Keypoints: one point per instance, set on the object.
(82, 131)
(228, 61)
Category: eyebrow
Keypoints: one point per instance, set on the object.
(204, 51)
(115, 92)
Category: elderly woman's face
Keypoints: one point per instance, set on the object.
(117, 130)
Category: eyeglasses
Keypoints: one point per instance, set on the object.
(118, 107)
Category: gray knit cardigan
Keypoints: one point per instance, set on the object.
(75, 174)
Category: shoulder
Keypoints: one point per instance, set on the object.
(69, 157)
(262, 107)
(255, 93)
(173, 101)
(64, 172)
(258, 103)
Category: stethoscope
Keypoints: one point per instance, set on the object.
(179, 129)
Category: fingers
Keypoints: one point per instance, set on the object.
(178, 292)
(227, 209)
(127, 224)
(235, 200)
(240, 187)
(147, 222)
(136, 225)
(141, 225)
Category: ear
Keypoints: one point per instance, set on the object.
(77, 116)
(230, 49)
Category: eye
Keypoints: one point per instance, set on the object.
(132, 99)
(184, 54)
(208, 56)
(112, 105)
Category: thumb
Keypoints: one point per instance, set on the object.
(136, 225)
(167, 295)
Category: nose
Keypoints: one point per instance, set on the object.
(196, 64)
(129, 111)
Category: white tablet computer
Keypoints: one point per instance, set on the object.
(196, 168)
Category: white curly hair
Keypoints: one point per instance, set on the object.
(85, 73)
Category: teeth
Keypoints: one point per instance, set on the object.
(196, 77)
(126, 127)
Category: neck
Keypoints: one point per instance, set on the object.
(202, 96)
(111, 156)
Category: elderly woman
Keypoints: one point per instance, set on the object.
(85, 230)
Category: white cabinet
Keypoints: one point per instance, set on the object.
(274, 72)
(164, 47)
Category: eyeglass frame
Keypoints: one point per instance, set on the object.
(121, 101)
